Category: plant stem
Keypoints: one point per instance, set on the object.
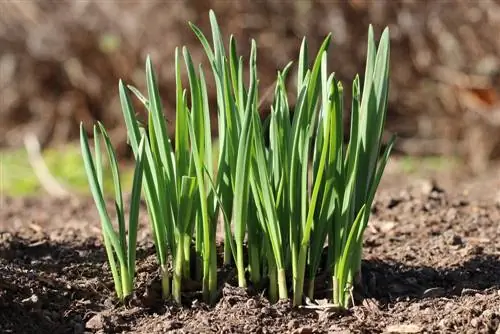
(186, 267)
(240, 265)
(126, 281)
(356, 260)
(298, 288)
(336, 294)
(228, 255)
(199, 250)
(213, 271)
(283, 291)
(347, 291)
(206, 280)
(114, 268)
(178, 271)
(165, 281)
(293, 250)
(254, 259)
(329, 264)
(273, 281)
(310, 290)
(210, 275)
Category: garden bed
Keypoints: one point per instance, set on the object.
(431, 264)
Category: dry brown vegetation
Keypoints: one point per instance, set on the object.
(60, 61)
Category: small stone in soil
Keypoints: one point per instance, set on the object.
(96, 322)
(426, 187)
(265, 311)
(474, 322)
(33, 299)
(108, 303)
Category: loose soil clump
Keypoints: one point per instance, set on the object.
(431, 264)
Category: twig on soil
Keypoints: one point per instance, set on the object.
(42, 172)
(320, 304)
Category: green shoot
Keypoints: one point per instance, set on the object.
(280, 202)
(118, 247)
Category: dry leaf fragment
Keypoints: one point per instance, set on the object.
(403, 328)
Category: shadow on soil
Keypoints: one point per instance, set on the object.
(392, 281)
(52, 287)
(48, 287)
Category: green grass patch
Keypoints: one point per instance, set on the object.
(17, 177)
(417, 165)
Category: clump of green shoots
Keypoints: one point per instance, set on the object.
(118, 246)
(282, 202)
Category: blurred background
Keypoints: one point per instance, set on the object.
(60, 62)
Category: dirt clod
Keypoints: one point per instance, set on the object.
(96, 322)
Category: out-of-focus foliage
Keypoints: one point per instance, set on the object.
(17, 177)
(60, 61)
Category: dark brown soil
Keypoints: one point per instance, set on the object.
(431, 264)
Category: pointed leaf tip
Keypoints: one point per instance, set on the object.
(386, 31)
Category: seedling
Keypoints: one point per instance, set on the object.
(282, 202)
(118, 246)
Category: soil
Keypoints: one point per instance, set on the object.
(431, 265)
